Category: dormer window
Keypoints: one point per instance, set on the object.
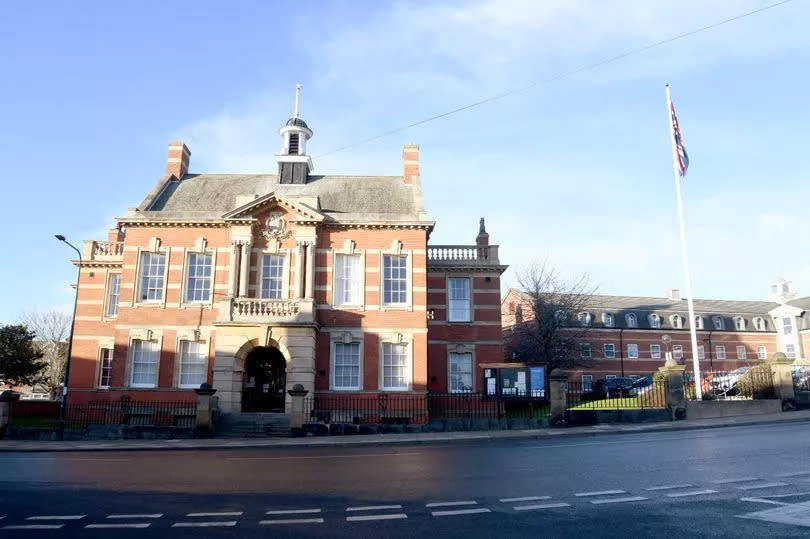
(585, 319)
(608, 320)
(655, 321)
(676, 321)
(698, 322)
(718, 322)
(630, 320)
(759, 323)
(739, 323)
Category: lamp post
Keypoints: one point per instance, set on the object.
(63, 403)
(667, 340)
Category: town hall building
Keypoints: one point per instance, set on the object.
(255, 283)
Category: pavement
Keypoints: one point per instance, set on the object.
(738, 481)
(370, 440)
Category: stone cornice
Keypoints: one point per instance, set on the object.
(182, 223)
(98, 263)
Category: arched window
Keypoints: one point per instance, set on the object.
(585, 319)
(677, 321)
(718, 322)
(759, 324)
(631, 320)
(608, 320)
(698, 322)
(739, 323)
(655, 321)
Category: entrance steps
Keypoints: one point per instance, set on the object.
(253, 425)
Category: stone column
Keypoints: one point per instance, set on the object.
(298, 410)
(298, 288)
(6, 398)
(676, 397)
(232, 280)
(782, 371)
(244, 270)
(310, 285)
(203, 427)
(558, 393)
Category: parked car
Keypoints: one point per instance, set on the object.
(615, 387)
(724, 384)
(642, 385)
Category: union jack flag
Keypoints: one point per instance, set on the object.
(683, 158)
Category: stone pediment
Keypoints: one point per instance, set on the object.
(304, 208)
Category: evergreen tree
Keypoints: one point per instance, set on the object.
(20, 358)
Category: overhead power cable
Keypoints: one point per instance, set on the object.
(557, 77)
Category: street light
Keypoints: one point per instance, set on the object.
(63, 403)
(667, 340)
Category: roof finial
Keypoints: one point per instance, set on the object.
(298, 87)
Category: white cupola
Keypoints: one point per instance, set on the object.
(294, 165)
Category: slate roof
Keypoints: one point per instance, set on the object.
(341, 198)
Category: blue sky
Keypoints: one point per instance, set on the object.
(576, 172)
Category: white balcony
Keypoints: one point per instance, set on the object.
(103, 251)
(462, 256)
(267, 311)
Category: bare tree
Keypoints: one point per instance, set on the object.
(551, 330)
(51, 329)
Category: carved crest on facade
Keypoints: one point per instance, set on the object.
(275, 227)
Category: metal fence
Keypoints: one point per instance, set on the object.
(595, 397)
(419, 409)
(740, 384)
(119, 412)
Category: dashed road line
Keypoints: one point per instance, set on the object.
(151, 515)
(524, 499)
(738, 480)
(119, 525)
(761, 500)
(33, 527)
(792, 474)
(599, 493)
(540, 506)
(460, 512)
(763, 485)
(669, 487)
(222, 514)
(204, 524)
(374, 508)
(451, 504)
(293, 512)
(292, 521)
(325, 456)
(619, 500)
(691, 493)
(391, 516)
(57, 517)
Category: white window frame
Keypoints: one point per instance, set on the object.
(787, 325)
(677, 321)
(450, 300)
(655, 351)
(346, 338)
(634, 347)
(698, 322)
(655, 321)
(408, 293)
(204, 345)
(158, 342)
(587, 386)
(718, 323)
(609, 376)
(357, 282)
(583, 346)
(742, 353)
(608, 320)
(677, 351)
(585, 319)
(187, 278)
(627, 320)
(408, 364)
(605, 350)
(762, 352)
(104, 350)
(701, 352)
(139, 277)
(284, 273)
(108, 295)
(759, 324)
(720, 351)
(460, 351)
(739, 323)
(790, 350)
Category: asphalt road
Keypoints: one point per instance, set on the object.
(731, 482)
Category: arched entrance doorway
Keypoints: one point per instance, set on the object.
(265, 381)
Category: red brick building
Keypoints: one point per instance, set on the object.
(622, 335)
(254, 283)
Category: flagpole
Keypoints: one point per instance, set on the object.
(684, 253)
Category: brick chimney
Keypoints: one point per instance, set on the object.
(179, 156)
(410, 163)
(482, 240)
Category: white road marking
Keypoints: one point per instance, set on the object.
(33, 527)
(325, 456)
(599, 493)
(293, 521)
(792, 474)
(739, 480)
(760, 500)
(460, 512)
(73, 459)
(392, 516)
(223, 514)
(374, 508)
(540, 506)
(121, 525)
(152, 515)
(221, 523)
(619, 500)
(691, 493)
(670, 487)
(293, 512)
(791, 495)
(524, 499)
(450, 504)
(57, 517)
(762, 485)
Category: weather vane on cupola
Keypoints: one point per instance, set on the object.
(298, 87)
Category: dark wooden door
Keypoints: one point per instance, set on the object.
(265, 381)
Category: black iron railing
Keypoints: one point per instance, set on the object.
(740, 384)
(118, 412)
(605, 396)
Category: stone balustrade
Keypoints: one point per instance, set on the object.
(103, 250)
(267, 311)
(462, 255)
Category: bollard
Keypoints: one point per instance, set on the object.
(676, 397)
(203, 426)
(782, 372)
(558, 393)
